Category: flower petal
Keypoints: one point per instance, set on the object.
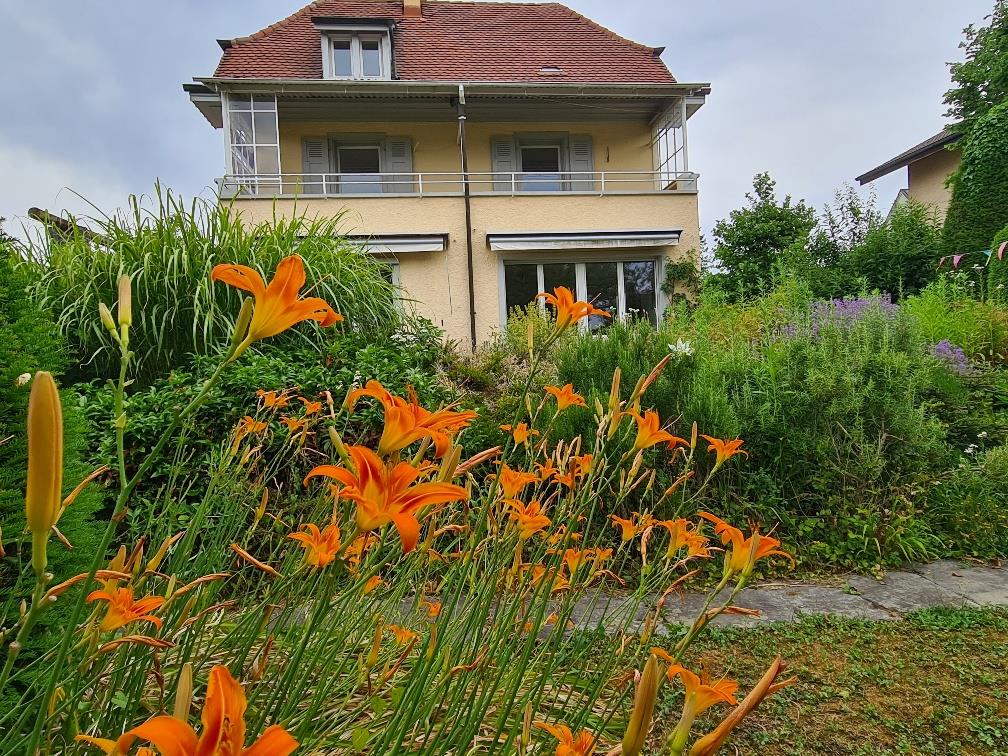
(171, 736)
(240, 276)
(275, 741)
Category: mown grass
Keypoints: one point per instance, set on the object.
(935, 683)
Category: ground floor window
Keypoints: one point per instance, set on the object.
(622, 288)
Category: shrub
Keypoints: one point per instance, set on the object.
(968, 508)
(978, 210)
(898, 256)
(169, 251)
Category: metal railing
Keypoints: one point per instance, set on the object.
(434, 184)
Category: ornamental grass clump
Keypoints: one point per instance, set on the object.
(404, 597)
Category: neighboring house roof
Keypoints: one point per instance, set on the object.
(928, 147)
(456, 40)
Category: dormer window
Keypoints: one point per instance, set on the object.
(356, 54)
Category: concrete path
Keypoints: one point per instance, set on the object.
(943, 583)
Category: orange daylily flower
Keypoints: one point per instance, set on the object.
(122, 609)
(566, 396)
(277, 305)
(768, 684)
(701, 694)
(406, 421)
(513, 482)
(321, 546)
(682, 534)
(433, 607)
(632, 526)
(650, 433)
(569, 310)
(724, 449)
(569, 744)
(294, 424)
(577, 468)
(531, 517)
(745, 552)
(574, 558)
(372, 583)
(272, 399)
(520, 432)
(223, 727)
(546, 471)
(247, 426)
(310, 407)
(387, 494)
(403, 635)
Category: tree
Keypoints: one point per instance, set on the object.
(979, 205)
(981, 81)
(756, 239)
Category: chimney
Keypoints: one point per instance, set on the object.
(411, 9)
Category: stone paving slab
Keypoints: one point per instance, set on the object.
(981, 585)
(943, 583)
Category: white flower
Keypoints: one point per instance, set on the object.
(982, 434)
(681, 348)
(23, 379)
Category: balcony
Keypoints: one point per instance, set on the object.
(349, 186)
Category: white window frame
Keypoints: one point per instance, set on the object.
(581, 282)
(354, 35)
(254, 181)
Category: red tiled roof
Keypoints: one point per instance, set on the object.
(457, 40)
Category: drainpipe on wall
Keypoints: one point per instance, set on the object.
(468, 213)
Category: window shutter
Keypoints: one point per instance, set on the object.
(581, 163)
(398, 155)
(503, 153)
(315, 160)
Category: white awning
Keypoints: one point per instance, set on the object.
(551, 240)
(394, 244)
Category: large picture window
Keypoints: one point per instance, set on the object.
(253, 142)
(624, 288)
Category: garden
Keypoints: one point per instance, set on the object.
(251, 503)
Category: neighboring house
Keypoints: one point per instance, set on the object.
(928, 166)
(487, 151)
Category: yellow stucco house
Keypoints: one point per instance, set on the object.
(928, 164)
(486, 150)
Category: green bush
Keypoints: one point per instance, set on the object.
(969, 507)
(30, 342)
(978, 209)
(898, 256)
(169, 251)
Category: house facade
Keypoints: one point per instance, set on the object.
(928, 164)
(485, 151)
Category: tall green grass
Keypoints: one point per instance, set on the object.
(168, 246)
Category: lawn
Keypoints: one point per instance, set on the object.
(935, 683)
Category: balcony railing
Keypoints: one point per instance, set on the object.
(453, 184)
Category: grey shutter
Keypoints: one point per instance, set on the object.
(581, 163)
(504, 156)
(399, 161)
(315, 160)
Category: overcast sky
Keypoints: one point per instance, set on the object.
(813, 92)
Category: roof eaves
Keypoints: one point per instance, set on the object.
(929, 146)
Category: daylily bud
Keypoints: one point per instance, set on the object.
(643, 708)
(106, 317)
(43, 494)
(372, 657)
(125, 307)
(183, 693)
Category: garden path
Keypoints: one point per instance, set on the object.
(943, 583)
